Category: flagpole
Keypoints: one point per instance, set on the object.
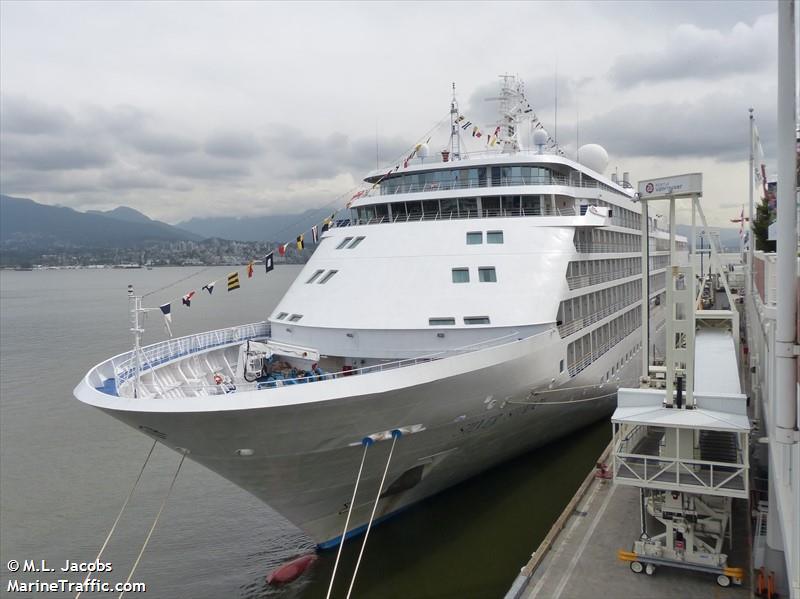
(137, 330)
(751, 233)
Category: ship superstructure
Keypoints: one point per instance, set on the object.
(479, 303)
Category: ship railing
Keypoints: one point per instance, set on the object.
(457, 215)
(392, 187)
(171, 349)
(576, 324)
(578, 281)
(582, 362)
(616, 248)
(193, 389)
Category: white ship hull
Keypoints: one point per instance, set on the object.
(482, 305)
(477, 409)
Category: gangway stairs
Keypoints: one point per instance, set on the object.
(683, 439)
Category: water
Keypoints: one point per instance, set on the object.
(65, 468)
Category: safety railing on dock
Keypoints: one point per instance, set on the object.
(702, 476)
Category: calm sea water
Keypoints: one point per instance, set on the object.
(65, 468)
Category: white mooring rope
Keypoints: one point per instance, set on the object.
(114, 526)
(366, 442)
(395, 435)
(153, 527)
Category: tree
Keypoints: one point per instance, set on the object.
(761, 224)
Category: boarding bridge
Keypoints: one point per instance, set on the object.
(682, 438)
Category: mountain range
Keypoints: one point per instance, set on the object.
(28, 224)
(274, 227)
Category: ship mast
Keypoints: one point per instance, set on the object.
(455, 134)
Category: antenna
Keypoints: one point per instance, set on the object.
(377, 151)
(577, 129)
(455, 137)
(555, 93)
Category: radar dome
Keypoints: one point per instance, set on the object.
(540, 137)
(422, 150)
(594, 156)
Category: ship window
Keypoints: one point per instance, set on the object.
(490, 206)
(474, 238)
(344, 242)
(281, 316)
(487, 274)
(328, 276)
(437, 322)
(430, 208)
(494, 237)
(295, 317)
(561, 366)
(460, 275)
(356, 241)
(449, 207)
(315, 276)
(468, 207)
(476, 320)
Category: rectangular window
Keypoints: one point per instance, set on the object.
(476, 320)
(281, 316)
(474, 238)
(344, 242)
(438, 322)
(468, 207)
(328, 276)
(460, 275)
(487, 274)
(315, 276)
(494, 237)
(356, 241)
(295, 317)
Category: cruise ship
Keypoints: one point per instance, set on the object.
(466, 308)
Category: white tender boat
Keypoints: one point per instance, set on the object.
(481, 304)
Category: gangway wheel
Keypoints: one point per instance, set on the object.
(637, 567)
(649, 569)
(723, 580)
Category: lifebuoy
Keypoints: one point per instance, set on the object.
(217, 378)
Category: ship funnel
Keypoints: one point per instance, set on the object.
(626, 177)
(614, 177)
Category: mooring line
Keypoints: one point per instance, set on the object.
(366, 442)
(114, 526)
(395, 435)
(153, 527)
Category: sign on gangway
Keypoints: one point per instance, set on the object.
(665, 187)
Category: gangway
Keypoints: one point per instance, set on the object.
(682, 438)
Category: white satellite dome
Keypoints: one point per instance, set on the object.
(594, 156)
(422, 150)
(540, 137)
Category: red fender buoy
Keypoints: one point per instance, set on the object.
(291, 570)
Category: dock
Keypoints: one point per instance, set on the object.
(666, 513)
(578, 557)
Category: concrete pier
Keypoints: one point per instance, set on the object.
(580, 560)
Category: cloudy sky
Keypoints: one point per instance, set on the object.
(184, 109)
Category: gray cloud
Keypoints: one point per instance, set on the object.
(52, 154)
(27, 116)
(231, 144)
(202, 167)
(715, 125)
(695, 53)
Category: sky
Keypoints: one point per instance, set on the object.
(182, 109)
